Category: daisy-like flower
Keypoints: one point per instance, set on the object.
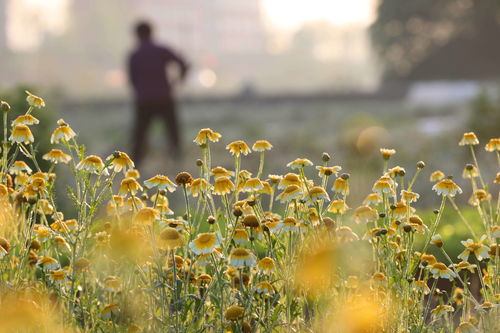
(21, 180)
(57, 156)
(120, 161)
(341, 186)
(401, 209)
(365, 214)
(440, 270)
(223, 185)
(134, 173)
(470, 172)
(493, 145)
(266, 189)
(241, 257)
(479, 249)
(264, 288)
(252, 185)
(266, 265)
(129, 185)
(495, 231)
(338, 206)
(177, 224)
(234, 313)
(384, 185)
(421, 286)
(199, 186)
(237, 148)
(34, 101)
(161, 182)
(262, 145)
(274, 179)
(58, 276)
(372, 199)
(291, 192)
(409, 196)
(396, 171)
(146, 215)
(92, 164)
(417, 224)
(205, 243)
(317, 193)
(436, 176)
(289, 179)
(108, 310)
(328, 171)
(427, 260)
(345, 234)
(112, 283)
(464, 265)
(4, 247)
(441, 310)
(25, 119)
(466, 327)
(486, 306)
(19, 167)
(288, 224)
(61, 243)
(21, 134)
(437, 240)
(447, 187)
(299, 163)
(251, 221)
(478, 196)
(48, 263)
(240, 236)
(170, 239)
(221, 172)
(62, 133)
(387, 153)
(469, 139)
(205, 135)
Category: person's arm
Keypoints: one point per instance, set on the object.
(132, 72)
(183, 66)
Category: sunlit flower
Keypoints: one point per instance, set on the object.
(25, 119)
(58, 276)
(409, 196)
(299, 163)
(318, 193)
(221, 172)
(458, 295)
(469, 139)
(447, 187)
(338, 206)
(493, 145)
(328, 171)
(62, 133)
(161, 182)
(178, 223)
(291, 192)
(497, 178)
(252, 185)
(479, 196)
(264, 288)
(274, 179)
(146, 215)
(238, 147)
(21, 134)
(262, 145)
(345, 234)
(372, 199)
(19, 167)
(365, 214)
(495, 231)
(289, 179)
(341, 186)
(234, 313)
(223, 185)
(384, 185)
(199, 186)
(441, 310)
(112, 283)
(240, 236)
(466, 327)
(34, 101)
(440, 270)
(437, 240)
(401, 209)
(92, 164)
(108, 310)
(387, 153)
(251, 221)
(464, 265)
(4, 247)
(266, 265)
(120, 161)
(171, 239)
(21, 179)
(417, 224)
(437, 176)
(204, 279)
(61, 243)
(396, 171)
(421, 286)
(205, 243)
(241, 257)
(134, 173)
(205, 135)
(427, 260)
(57, 156)
(129, 185)
(266, 189)
(486, 306)
(48, 263)
(479, 249)
(469, 172)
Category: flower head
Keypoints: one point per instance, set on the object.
(25, 119)
(19, 167)
(338, 206)
(205, 135)
(62, 133)
(437, 176)
(440, 270)
(237, 148)
(266, 265)
(170, 239)
(120, 161)
(161, 182)
(92, 164)
(291, 192)
(447, 187)
(129, 185)
(469, 139)
(328, 171)
(21, 134)
(223, 185)
(387, 153)
(365, 214)
(146, 215)
(205, 243)
(299, 163)
(479, 249)
(493, 145)
(57, 156)
(34, 101)
(234, 313)
(262, 145)
(241, 257)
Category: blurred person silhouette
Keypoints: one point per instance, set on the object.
(153, 90)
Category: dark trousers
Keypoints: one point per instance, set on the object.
(144, 115)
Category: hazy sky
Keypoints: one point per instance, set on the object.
(30, 19)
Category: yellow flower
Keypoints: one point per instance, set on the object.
(252, 185)
(266, 189)
(62, 133)
(469, 139)
(25, 119)
(401, 209)
(161, 182)
(458, 296)
(470, 172)
(241, 257)
(318, 193)
(437, 240)
(92, 164)
(262, 145)
(416, 222)
(345, 234)
(274, 179)
(266, 265)
(341, 186)
(465, 265)
(221, 172)
(447, 187)
(493, 145)
(427, 259)
(129, 185)
(384, 185)
(120, 161)
(19, 167)
(291, 192)
(223, 185)
(479, 249)
(441, 309)
(409, 196)
(437, 176)
(328, 171)
(421, 286)
(238, 147)
(289, 179)
(170, 239)
(34, 101)
(264, 288)
(365, 214)
(372, 199)
(205, 243)
(199, 186)
(57, 156)
(338, 206)
(146, 215)
(108, 310)
(205, 135)
(234, 313)
(240, 236)
(299, 163)
(48, 263)
(497, 178)
(440, 270)
(387, 153)
(466, 327)
(396, 171)
(112, 283)
(58, 276)
(134, 173)
(21, 134)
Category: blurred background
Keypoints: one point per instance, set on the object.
(345, 77)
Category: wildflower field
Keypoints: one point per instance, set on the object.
(247, 251)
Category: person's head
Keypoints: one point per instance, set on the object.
(143, 30)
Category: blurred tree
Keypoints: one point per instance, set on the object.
(446, 39)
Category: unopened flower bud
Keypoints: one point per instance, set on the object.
(325, 157)
(420, 164)
(199, 163)
(4, 106)
(345, 176)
